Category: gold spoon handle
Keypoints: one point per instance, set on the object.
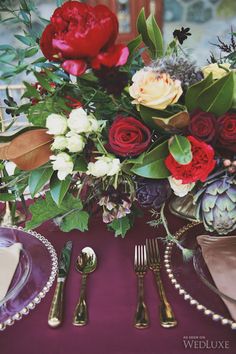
(167, 317)
(80, 317)
(141, 317)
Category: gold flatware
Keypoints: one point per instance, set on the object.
(140, 267)
(55, 316)
(167, 318)
(86, 263)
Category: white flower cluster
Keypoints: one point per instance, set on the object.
(104, 166)
(70, 134)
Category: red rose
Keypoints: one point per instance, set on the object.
(80, 34)
(227, 131)
(128, 136)
(199, 168)
(203, 126)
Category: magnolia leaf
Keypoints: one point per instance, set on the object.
(38, 178)
(9, 135)
(194, 92)
(29, 150)
(180, 149)
(155, 35)
(218, 97)
(156, 169)
(159, 152)
(59, 188)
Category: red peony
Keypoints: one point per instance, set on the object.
(203, 126)
(79, 35)
(199, 168)
(227, 131)
(128, 136)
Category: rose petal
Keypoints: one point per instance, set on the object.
(74, 67)
(46, 43)
(116, 55)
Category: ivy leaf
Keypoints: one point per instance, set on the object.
(38, 178)
(5, 197)
(180, 149)
(120, 226)
(46, 209)
(75, 220)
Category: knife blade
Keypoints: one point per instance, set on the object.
(55, 315)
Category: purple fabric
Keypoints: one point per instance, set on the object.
(111, 296)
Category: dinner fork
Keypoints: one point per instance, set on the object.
(140, 267)
(167, 318)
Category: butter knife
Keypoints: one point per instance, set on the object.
(55, 316)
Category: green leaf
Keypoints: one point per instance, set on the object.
(194, 91)
(59, 188)
(31, 52)
(53, 76)
(31, 91)
(218, 97)
(6, 197)
(75, 220)
(44, 82)
(156, 169)
(46, 209)
(171, 48)
(120, 226)
(159, 152)
(80, 164)
(155, 35)
(38, 178)
(142, 29)
(25, 39)
(180, 149)
(134, 44)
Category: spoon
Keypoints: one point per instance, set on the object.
(86, 263)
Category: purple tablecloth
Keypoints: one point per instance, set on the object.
(112, 302)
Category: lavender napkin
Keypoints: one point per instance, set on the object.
(219, 254)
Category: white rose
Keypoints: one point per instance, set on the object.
(217, 71)
(60, 143)
(63, 164)
(79, 121)
(154, 90)
(104, 166)
(56, 124)
(179, 188)
(94, 125)
(75, 142)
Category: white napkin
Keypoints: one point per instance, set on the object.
(9, 259)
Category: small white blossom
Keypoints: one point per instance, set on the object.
(60, 143)
(56, 124)
(75, 142)
(63, 164)
(104, 166)
(179, 188)
(79, 121)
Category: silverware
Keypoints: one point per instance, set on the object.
(86, 263)
(167, 318)
(56, 310)
(140, 267)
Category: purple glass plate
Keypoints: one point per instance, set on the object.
(34, 276)
(187, 281)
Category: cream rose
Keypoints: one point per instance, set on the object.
(154, 90)
(63, 164)
(56, 124)
(179, 188)
(75, 142)
(60, 143)
(104, 166)
(79, 121)
(217, 71)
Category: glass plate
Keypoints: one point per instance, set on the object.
(190, 278)
(34, 275)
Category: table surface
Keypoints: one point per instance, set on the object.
(111, 296)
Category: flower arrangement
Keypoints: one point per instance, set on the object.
(110, 132)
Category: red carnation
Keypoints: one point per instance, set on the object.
(199, 168)
(128, 136)
(80, 35)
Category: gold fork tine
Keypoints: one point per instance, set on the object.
(167, 318)
(140, 267)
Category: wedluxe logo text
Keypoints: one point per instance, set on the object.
(201, 342)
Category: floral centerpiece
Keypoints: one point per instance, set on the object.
(107, 131)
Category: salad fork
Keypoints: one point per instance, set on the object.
(140, 267)
(167, 318)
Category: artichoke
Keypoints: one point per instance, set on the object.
(216, 205)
